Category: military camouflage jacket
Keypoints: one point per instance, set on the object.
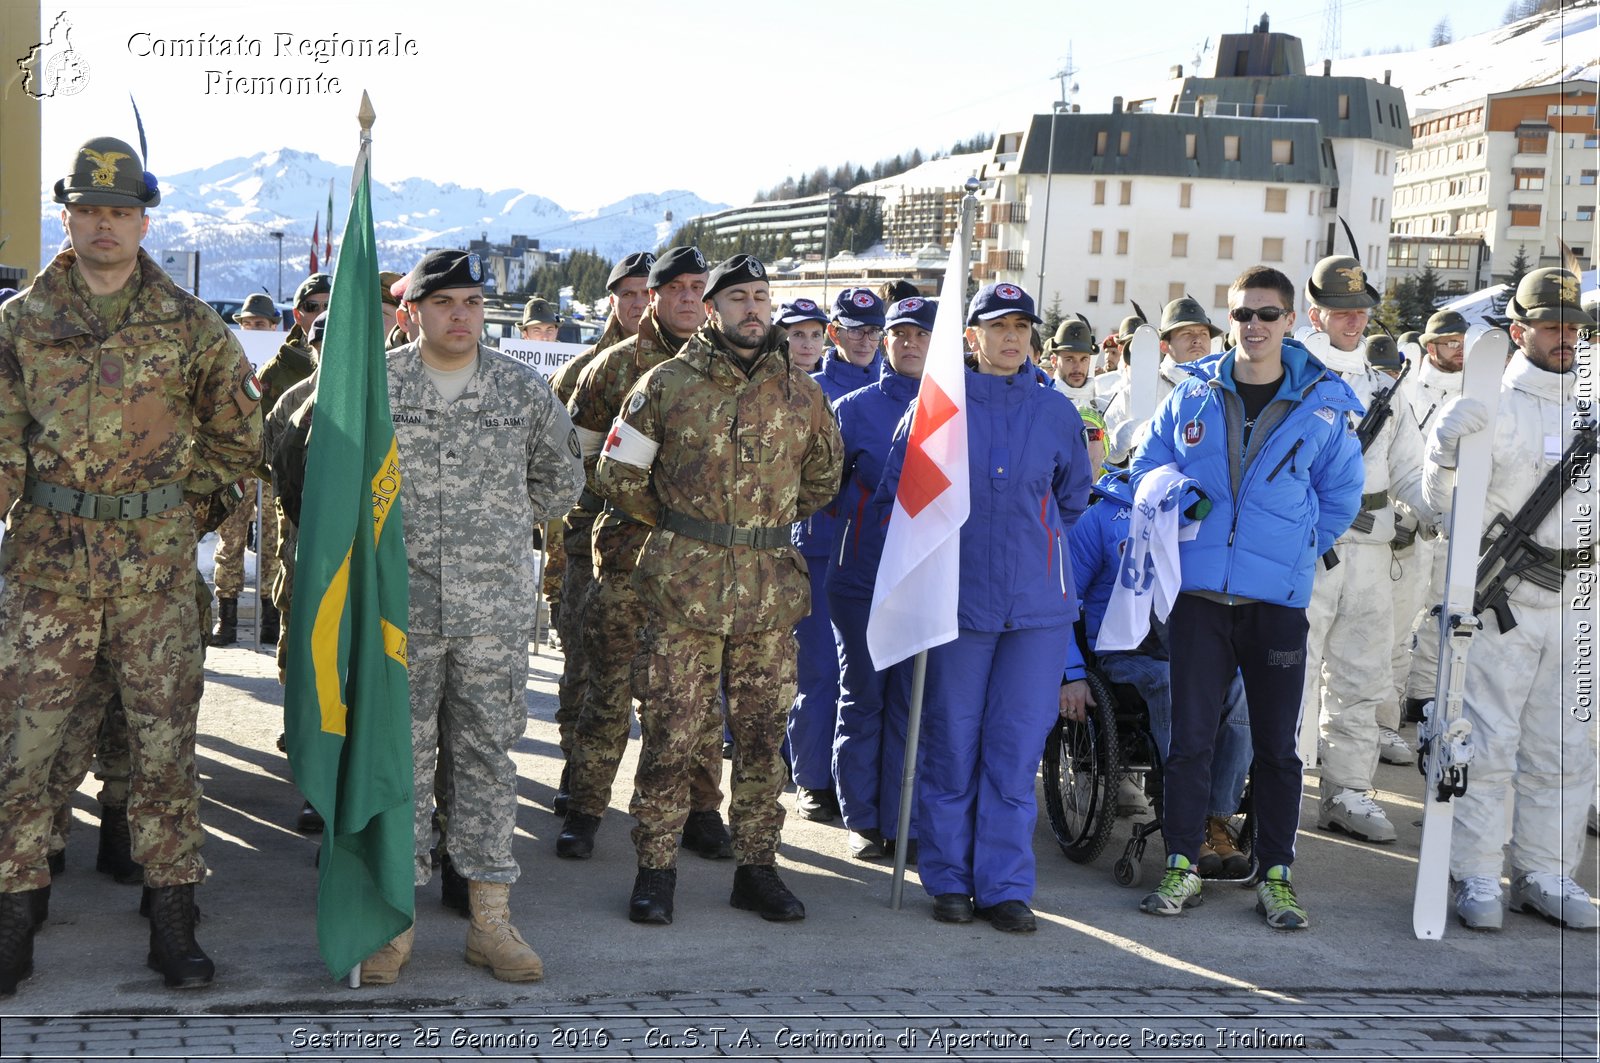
(578, 525)
(166, 397)
(594, 405)
(698, 437)
(477, 475)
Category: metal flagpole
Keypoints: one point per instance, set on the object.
(260, 562)
(953, 296)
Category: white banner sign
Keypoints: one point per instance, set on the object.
(259, 345)
(545, 357)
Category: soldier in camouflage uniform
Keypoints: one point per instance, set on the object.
(486, 453)
(629, 294)
(614, 619)
(720, 449)
(122, 397)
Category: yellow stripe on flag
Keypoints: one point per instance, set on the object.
(325, 649)
(394, 642)
(385, 489)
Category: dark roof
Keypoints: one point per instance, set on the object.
(1376, 111)
(1158, 147)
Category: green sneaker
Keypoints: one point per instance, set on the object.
(1179, 889)
(1275, 900)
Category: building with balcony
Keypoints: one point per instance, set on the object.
(511, 266)
(1512, 172)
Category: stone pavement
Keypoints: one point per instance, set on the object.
(855, 980)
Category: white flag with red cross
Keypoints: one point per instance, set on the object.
(919, 577)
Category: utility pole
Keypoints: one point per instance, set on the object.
(278, 236)
(1065, 74)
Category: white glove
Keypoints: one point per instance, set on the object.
(1461, 417)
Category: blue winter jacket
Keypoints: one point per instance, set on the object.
(1277, 506)
(814, 536)
(1029, 480)
(867, 419)
(1095, 543)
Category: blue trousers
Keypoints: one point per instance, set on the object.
(1209, 642)
(1231, 761)
(869, 742)
(816, 699)
(991, 700)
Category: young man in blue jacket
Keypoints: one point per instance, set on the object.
(1266, 431)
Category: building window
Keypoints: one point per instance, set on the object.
(1174, 291)
(1127, 193)
(1272, 249)
(1189, 145)
(1120, 293)
(1095, 239)
(1180, 245)
(1282, 152)
(1586, 177)
(1533, 180)
(1590, 140)
(1344, 105)
(1584, 214)
(1124, 142)
(1219, 295)
(1093, 294)
(1122, 244)
(1100, 142)
(1230, 148)
(1185, 194)
(1099, 193)
(1225, 247)
(1277, 200)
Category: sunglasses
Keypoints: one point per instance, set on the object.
(1093, 434)
(1245, 314)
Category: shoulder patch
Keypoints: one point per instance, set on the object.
(572, 444)
(1326, 413)
(252, 387)
(636, 402)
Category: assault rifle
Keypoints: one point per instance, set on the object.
(1513, 553)
(1379, 410)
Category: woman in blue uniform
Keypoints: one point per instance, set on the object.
(993, 694)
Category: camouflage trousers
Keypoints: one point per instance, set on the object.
(578, 587)
(231, 535)
(681, 671)
(553, 585)
(49, 645)
(614, 629)
(106, 746)
(470, 693)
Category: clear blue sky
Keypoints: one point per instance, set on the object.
(587, 102)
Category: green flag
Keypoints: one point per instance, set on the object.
(347, 710)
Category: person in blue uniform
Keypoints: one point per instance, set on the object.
(869, 740)
(993, 694)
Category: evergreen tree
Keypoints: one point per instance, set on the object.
(1052, 316)
(1519, 267)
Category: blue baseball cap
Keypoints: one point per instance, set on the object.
(913, 311)
(858, 308)
(998, 300)
(799, 310)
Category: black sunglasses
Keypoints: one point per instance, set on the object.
(1245, 314)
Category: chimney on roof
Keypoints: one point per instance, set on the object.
(1116, 105)
(1327, 68)
(1176, 73)
(1386, 77)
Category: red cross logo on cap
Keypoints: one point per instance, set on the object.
(1008, 291)
(911, 305)
(804, 304)
(863, 299)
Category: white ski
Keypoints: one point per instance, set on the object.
(1444, 737)
(1144, 374)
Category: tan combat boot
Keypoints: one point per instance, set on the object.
(383, 966)
(492, 941)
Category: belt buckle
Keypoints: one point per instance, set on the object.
(741, 537)
(85, 505)
(131, 507)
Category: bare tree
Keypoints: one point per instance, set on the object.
(1441, 33)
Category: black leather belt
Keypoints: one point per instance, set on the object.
(590, 501)
(103, 507)
(623, 515)
(725, 534)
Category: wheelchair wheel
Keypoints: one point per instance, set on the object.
(1082, 764)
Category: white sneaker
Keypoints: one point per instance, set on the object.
(1357, 814)
(1556, 897)
(1478, 902)
(1393, 748)
(1131, 800)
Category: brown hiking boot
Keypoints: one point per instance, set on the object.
(383, 966)
(492, 941)
(1220, 856)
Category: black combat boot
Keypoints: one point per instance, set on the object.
(271, 619)
(116, 847)
(453, 892)
(704, 835)
(17, 911)
(576, 841)
(57, 862)
(227, 632)
(757, 888)
(173, 950)
(40, 903)
(653, 888)
(309, 821)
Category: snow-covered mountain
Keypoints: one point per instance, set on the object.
(228, 211)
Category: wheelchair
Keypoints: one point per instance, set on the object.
(1084, 764)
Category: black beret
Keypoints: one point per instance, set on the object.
(637, 264)
(316, 284)
(440, 270)
(675, 263)
(740, 269)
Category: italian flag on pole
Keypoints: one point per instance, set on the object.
(347, 705)
(918, 587)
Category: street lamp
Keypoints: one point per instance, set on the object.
(827, 243)
(278, 236)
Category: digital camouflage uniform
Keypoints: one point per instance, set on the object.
(698, 438)
(228, 560)
(614, 618)
(160, 394)
(479, 474)
(283, 436)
